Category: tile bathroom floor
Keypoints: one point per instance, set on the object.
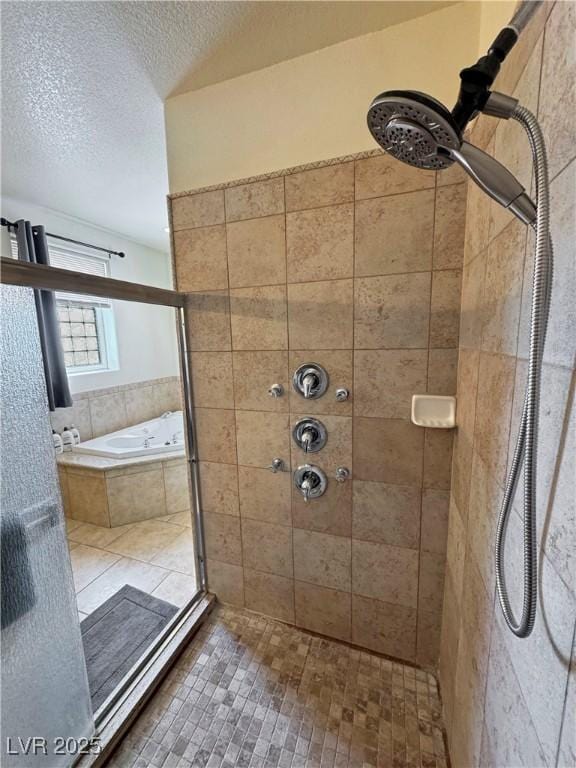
(156, 556)
(252, 692)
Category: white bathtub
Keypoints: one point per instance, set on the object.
(163, 435)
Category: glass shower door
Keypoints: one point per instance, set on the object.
(46, 715)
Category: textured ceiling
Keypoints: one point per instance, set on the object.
(83, 85)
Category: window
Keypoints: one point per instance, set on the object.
(83, 340)
(86, 322)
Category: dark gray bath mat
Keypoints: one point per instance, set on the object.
(117, 634)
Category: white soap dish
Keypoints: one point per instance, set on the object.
(434, 411)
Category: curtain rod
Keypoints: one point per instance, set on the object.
(12, 225)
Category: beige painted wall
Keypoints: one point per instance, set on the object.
(314, 107)
(493, 17)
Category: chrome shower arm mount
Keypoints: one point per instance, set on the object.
(476, 81)
(496, 180)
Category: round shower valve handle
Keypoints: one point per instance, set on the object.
(310, 435)
(310, 481)
(310, 381)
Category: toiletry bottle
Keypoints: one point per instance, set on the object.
(67, 439)
(58, 445)
(75, 434)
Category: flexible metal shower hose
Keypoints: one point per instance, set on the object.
(527, 441)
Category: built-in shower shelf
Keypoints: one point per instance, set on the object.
(434, 411)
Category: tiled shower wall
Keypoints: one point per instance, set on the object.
(355, 265)
(511, 702)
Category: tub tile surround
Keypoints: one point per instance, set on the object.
(355, 264)
(101, 411)
(509, 701)
(98, 491)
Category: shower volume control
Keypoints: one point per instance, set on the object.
(310, 380)
(310, 435)
(310, 481)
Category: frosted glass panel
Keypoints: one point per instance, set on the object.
(44, 684)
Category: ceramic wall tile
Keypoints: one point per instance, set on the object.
(219, 486)
(388, 451)
(200, 259)
(331, 185)
(445, 308)
(389, 629)
(257, 251)
(449, 226)
(254, 374)
(258, 318)
(389, 514)
(208, 321)
(257, 487)
(200, 210)
(216, 435)
(261, 437)
(381, 175)
(222, 538)
(322, 610)
(332, 511)
(267, 547)
(212, 379)
(386, 379)
(321, 315)
(392, 312)
(320, 243)
(259, 198)
(269, 594)
(394, 234)
(503, 290)
(442, 371)
(322, 559)
(385, 572)
(558, 86)
(227, 581)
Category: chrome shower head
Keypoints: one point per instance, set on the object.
(414, 128)
(419, 131)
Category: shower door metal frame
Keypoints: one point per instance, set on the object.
(29, 275)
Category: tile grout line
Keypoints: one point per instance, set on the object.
(353, 414)
(419, 572)
(252, 286)
(290, 406)
(234, 402)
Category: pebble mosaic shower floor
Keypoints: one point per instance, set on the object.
(255, 693)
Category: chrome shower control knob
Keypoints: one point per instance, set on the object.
(276, 466)
(310, 380)
(310, 435)
(310, 481)
(276, 390)
(342, 394)
(342, 474)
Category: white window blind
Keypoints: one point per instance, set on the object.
(65, 258)
(79, 262)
